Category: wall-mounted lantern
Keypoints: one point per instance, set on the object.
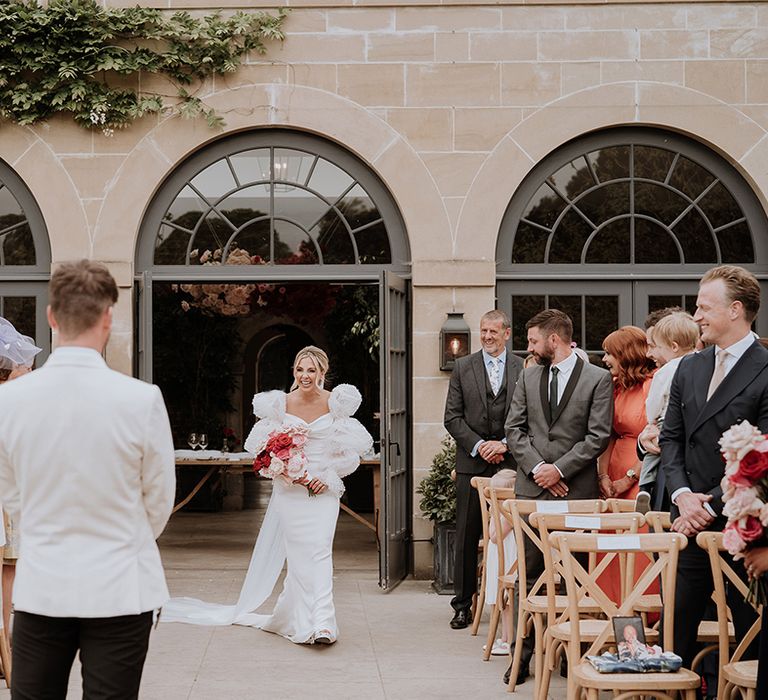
(455, 339)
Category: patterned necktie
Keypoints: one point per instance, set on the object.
(494, 376)
(553, 392)
(718, 374)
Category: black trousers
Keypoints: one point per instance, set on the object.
(693, 590)
(469, 531)
(112, 653)
(762, 663)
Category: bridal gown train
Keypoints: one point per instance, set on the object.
(297, 528)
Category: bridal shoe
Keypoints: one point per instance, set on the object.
(323, 637)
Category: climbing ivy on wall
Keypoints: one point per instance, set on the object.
(76, 57)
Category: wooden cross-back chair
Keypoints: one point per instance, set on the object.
(533, 606)
(507, 570)
(558, 630)
(663, 549)
(480, 483)
(735, 674)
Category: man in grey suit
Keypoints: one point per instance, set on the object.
(478, 400)
(558, 424)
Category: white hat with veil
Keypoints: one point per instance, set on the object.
(15, 349)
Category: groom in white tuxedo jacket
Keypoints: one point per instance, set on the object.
(87, 464)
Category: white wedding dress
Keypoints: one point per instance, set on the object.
(297, 528)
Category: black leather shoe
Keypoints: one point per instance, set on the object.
(522, 674)
(462, 619)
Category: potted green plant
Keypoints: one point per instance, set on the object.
(438, 503)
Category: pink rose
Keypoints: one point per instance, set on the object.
(732, 541)
(749, 528)
(741, 503)
(764, 515)
(299, 440)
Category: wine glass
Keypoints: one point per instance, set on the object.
(203, 441)
(192, 440)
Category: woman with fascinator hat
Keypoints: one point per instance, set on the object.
(17, 353)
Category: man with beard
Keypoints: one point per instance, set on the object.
(558, 424)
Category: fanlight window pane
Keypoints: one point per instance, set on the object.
(10, 209)
(654, 244)
(696, 239)
(524, 308)
(736, 244)
(652, 163)
(357, 208)
(573, 179)
(253, 239)
(658, 202)
(530, 244)
(171, 246)
(610, 244)
(690, 178)
(610, 163)
(253, 201)
(251, 166)
(293, 246)
(605, 203)
(215, 181)
(292, 166)
(544, 208)
(211, 237)
(298, 204)
(569, 239)
(373, 244)
(334, 240)
(187, 208)
(719, 206)
(329, 180)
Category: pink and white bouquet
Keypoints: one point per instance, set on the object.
(745, 495)
(282, 455)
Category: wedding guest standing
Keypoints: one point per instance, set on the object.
(17, 353)
(87, 466)
(559, 422)
(478, 399)
(723, 384)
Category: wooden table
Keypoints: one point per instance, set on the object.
(219, 465)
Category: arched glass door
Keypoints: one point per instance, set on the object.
(25, 261)
(263, 238)
(619, 223)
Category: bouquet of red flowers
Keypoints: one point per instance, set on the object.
(282, 455)
(745, 494)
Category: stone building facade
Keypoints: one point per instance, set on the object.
(451, 105)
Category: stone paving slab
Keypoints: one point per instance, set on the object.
(395, 646)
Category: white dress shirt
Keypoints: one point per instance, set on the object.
(733, 355)
(564, 371)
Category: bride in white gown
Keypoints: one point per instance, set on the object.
(296, 527)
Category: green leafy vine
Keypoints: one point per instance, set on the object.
(77, 57)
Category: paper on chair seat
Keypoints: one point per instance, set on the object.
(584, 522)
(552, 507)
(618, 542)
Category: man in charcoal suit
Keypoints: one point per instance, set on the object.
(559, 423)
(712, 390)
(478, 399)
(87, 465)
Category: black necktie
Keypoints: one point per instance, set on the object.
(553, 392)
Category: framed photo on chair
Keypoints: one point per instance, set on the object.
(630, 637)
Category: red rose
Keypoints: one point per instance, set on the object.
(282, 442)
(262, 461)
(752, 468)
(751, 530)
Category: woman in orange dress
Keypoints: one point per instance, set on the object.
(619, 467)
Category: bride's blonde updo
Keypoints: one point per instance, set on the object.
(320, 360)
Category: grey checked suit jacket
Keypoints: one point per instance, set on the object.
(573, 438)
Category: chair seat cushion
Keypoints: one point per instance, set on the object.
(741, 673)
(587, 676)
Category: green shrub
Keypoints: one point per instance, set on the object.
(438, 490)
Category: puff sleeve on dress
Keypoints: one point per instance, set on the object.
(269, 408)
(348, 441)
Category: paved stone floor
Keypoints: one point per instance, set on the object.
(396, 645)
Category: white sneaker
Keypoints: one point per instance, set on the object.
(499, 648)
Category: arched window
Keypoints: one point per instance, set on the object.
(620, 222)
(631, 196)
(25, 260)
(272, 198)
